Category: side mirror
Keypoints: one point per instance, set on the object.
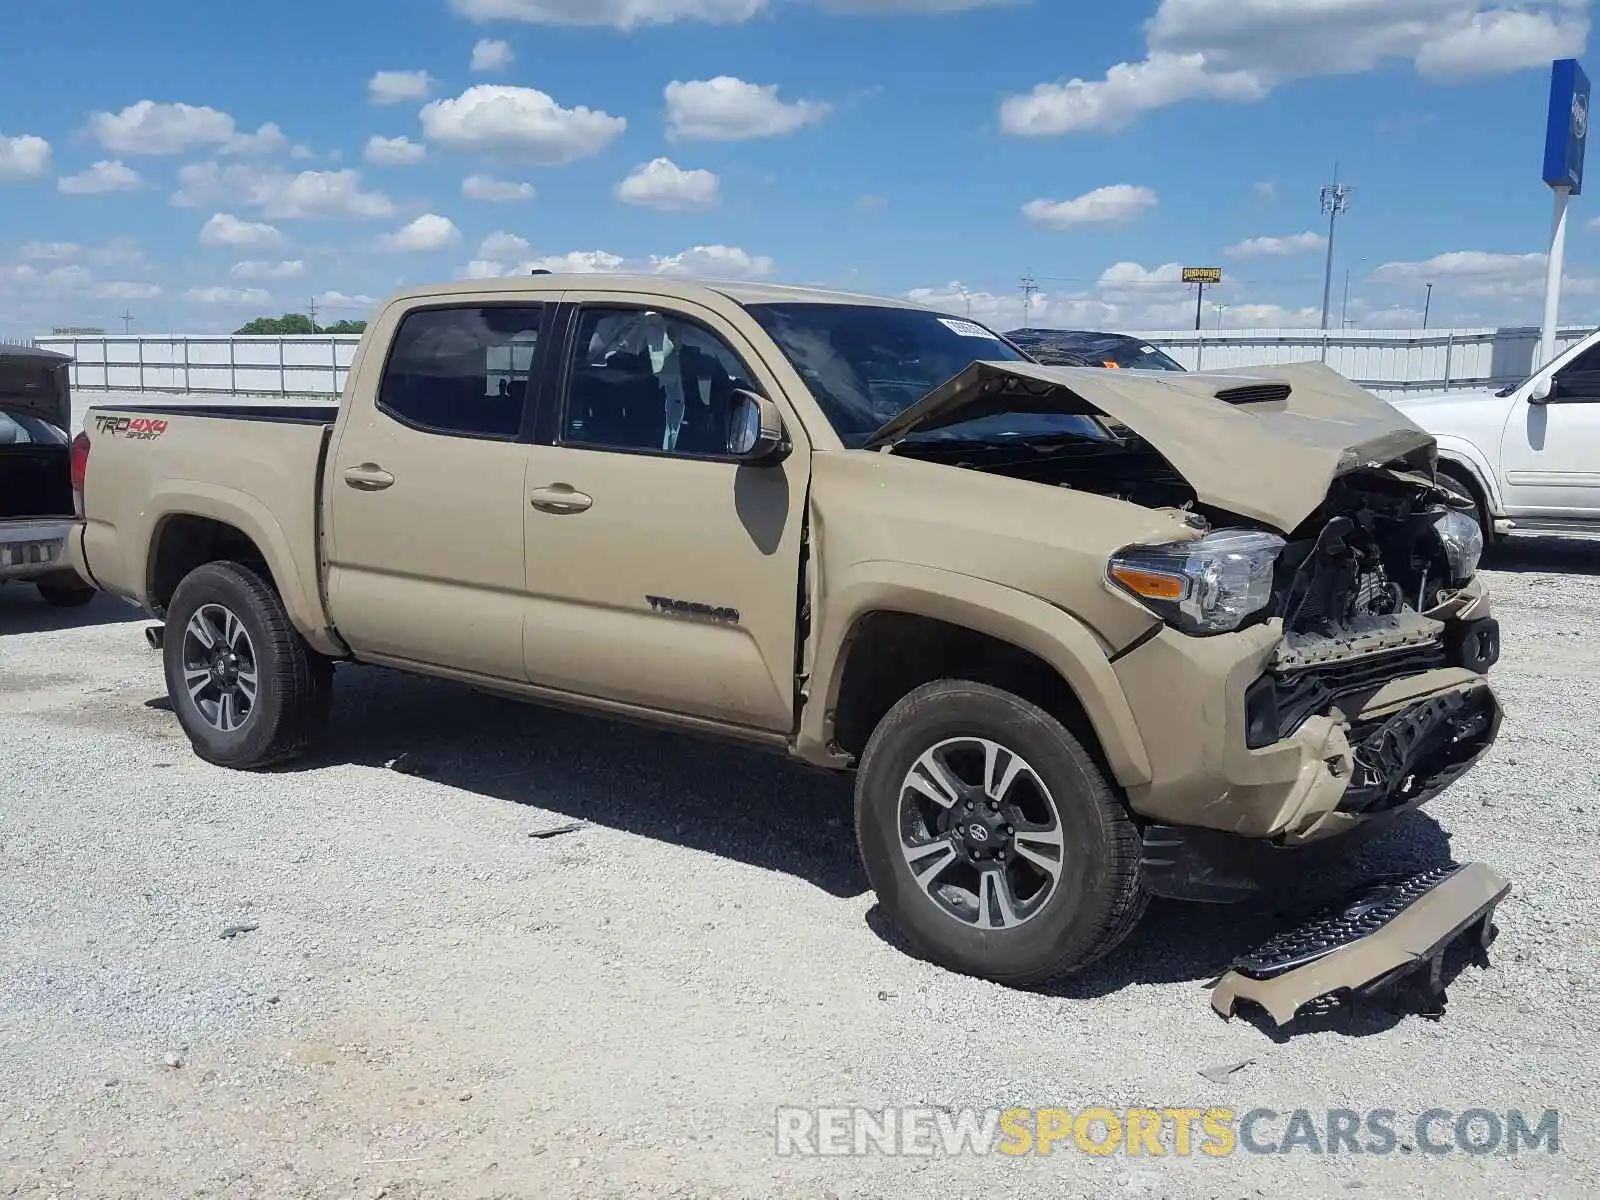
(755, 429)
(1542, 391)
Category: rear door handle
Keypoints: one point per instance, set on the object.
(559, 498)
(368, 477)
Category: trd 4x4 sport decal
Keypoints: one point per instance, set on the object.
(140, 428)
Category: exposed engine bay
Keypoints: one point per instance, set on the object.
(1362, 587)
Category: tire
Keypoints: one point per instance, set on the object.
(65, 595)
(293, 685)
(1093, 901)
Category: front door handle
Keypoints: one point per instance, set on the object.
(559, 498)
(368, 477)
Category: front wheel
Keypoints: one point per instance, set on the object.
(992, 839)
(247, 689)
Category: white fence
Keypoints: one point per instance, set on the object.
(1390, 362)
(220, 365)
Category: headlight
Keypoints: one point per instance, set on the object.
(1462, 538)
(1205, 586)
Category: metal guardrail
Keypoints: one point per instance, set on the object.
(1386, 361)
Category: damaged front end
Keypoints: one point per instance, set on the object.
(1378, 588)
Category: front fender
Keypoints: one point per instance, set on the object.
(294, 573)
(1024, 621)
(1468, 456)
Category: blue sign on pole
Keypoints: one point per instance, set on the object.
(1568, 131)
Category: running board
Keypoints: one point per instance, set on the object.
(1534, 527)
(1373, 938)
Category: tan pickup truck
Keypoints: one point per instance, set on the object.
(1083, 636)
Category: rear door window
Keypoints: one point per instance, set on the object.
(464, 371)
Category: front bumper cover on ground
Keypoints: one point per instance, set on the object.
(1367, 942)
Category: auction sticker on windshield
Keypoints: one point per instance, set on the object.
(967, 329)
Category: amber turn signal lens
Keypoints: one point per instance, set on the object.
(1150, 584)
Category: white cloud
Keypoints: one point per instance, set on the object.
(1474, 273)
(1114, 205)
(503, 247)
(228, 296)
(268, 270)
(663, 184)
(577, 262)
(889, 7)
(720, 262)
(727, 109)
(1241, 50)
(49, 251)
(1127, 90)
(225, 229)
(394, 152)
(24, 157)
(127, 290)
(619, 14)
(714, 261)
(396, 87)
(492, 55)
(1267, 190)
(519, 122)
(495, 191)
(105, 176)
(1502, 40)
(269, 139)
(1126, 297)
(281, 195)
(1278, 247)
(428, 232)
(340, 300)
(151, 128)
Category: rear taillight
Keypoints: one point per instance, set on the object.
(80, 469)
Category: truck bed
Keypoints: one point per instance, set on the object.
(257, 469)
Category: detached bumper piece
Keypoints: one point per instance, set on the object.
(1378, 936)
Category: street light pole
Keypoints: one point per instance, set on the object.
(1427, 306)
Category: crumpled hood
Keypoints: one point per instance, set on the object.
(34, 383)
(1268, 450)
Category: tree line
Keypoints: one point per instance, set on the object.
(291, 323)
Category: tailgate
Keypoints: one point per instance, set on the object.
(255, 473)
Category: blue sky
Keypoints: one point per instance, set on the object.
(199, 165)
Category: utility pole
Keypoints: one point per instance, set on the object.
(1335, 203)
(1221, 310)
(127, 321)
(1344, 312)
(1030, 288)
(966, 297)
(313, 314)
(1427, 307)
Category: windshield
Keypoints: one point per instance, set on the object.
(19, 429)
(866, 364)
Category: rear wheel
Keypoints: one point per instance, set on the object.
(992, 839)
(66, 595)
(247, 689)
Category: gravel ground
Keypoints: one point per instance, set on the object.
(432, 1003)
